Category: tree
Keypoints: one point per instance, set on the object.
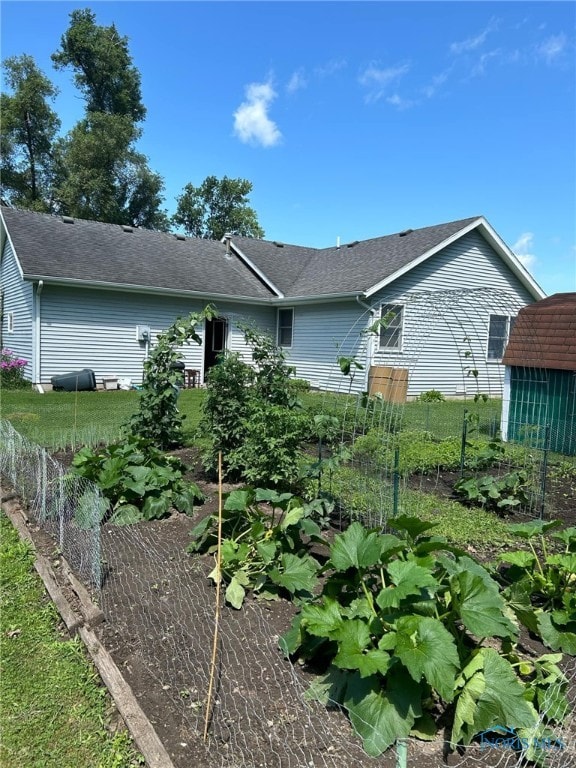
(103, 66)
(215, 207)
(105, 178)
(29, 128)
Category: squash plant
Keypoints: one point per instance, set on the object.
(264, 549)
(139, 481)
(412, 635)
(541, 585)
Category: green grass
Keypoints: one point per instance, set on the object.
(368, 498)
(54, 711)
(60, 420)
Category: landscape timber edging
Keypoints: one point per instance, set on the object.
(140, 727)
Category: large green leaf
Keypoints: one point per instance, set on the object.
(355, 548)
(492, 696)
(156, 506)
(292, 516)
(427, 649)
(329, 689)
(408, 579)
(555, 638)
(481, 608)
(518, 597)
(379, 716)
(127, 514)
(353, 639)
(322, 620)
(521, 558)
(533, 528)
(235, 593)
(238, 500)
(413, 526)
(296, 573)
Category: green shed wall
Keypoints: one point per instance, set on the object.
(540, 398)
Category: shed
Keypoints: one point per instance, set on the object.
(539, 403)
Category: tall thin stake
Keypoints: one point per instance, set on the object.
(217, 612)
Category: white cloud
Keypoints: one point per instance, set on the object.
(437, 82)
(480, 66)
(297, 82)
(553, 47)
(397, 101)
(377, 80)
(251, 122)
(523, 249)
(471, 43)
(330, 68)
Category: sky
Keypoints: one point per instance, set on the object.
(353, 120)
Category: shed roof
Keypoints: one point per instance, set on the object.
(544, 334)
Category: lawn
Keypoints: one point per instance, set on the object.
(60, 420)
(54, 711)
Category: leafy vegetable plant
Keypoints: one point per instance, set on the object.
(412, 635)
(264, 549)
(140, 481)
(541, 585)
(499, 494)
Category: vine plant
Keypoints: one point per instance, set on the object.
(158, 418)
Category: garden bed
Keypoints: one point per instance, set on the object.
(160, 604)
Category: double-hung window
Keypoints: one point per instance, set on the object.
(285, 327)
(498, 332)
(392, 317)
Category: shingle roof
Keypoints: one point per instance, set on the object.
(90, 251)
(544, 334)
(94, 252)
(353, 267)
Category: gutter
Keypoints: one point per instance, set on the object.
(203, 295)
(36, 331)
(370, 344)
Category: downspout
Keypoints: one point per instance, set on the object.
(369, 345)
(36, 352)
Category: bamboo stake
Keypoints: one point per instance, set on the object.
(217, 611)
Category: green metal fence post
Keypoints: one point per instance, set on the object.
(401, 753)
(396, 480)
(463, 445)
(544, 469)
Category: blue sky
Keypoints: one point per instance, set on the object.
(354, 119)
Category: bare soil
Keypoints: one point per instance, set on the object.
(160, 609)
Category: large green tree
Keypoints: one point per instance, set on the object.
(106, 178)
(102, 65)
(215, 207)
(29, 127)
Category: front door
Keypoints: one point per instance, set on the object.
(215, 342)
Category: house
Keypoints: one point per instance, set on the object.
(539, 403)
(85, 294)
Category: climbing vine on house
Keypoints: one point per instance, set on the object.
(158, 418)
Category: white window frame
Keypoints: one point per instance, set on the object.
(9, 322)
(280, 327)
(399, 309)
(509, 319)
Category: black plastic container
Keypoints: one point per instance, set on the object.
(77, 381)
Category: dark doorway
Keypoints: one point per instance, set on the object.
(215, 342)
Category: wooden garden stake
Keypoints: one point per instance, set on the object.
(217, 611)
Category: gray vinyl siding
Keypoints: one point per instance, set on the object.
(446, 327)
(84, 328)
(321, 334)
(18, 298)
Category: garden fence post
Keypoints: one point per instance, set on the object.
(401, 753)
(544, 473)
(396, 480)
(463, 446)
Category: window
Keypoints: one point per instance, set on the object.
(498, 332)
(285, 327)
(391, 329)
(10, 322)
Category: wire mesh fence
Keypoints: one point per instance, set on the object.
(159, 607)
(67, 507)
